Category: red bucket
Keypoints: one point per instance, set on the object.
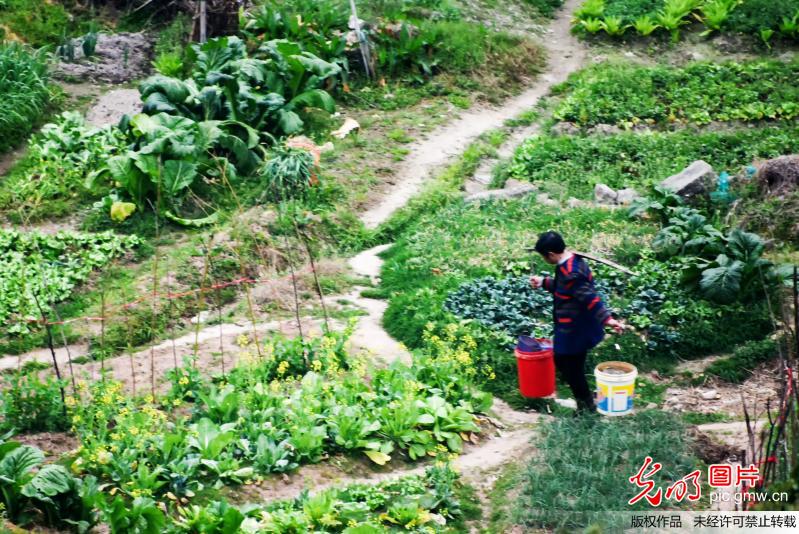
(536, 372)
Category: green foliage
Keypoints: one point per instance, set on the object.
(24, 92)
(753, 16)
(546, 8)
(37, 22)
(287, 403)
(32, 405)
(48, 268)
(632, 160)
(585, 465)
(738, 367)
(509, 304)
(750, 17)
(169, 51)
(59, 157)
(288, 174)
(405, 504)
(624, 94)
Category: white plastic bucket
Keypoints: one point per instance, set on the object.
(615, 387)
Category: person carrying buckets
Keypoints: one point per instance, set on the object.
(579, 314)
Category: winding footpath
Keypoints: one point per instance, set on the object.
(565, 55)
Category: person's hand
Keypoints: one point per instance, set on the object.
(616, 325)
(536, 281)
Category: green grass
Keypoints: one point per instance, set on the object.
(577, 164)
(626, 94)
(738, 367)
(37, 22)
(583, 466)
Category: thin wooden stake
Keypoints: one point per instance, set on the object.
(303, 238)
(52, 352)
(130, 355)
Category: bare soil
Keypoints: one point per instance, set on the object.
(118, 58)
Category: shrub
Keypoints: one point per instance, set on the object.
(511, 305)
(546, 8)
(33, 405)
(752, 16)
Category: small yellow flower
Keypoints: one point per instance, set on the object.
(282, 367)
(242, 341)
(184, 380)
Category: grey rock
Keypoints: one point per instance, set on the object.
(603, 194)
(119, 57)
(574, 202)
(606, 129)
(626, 196)
(200, 318)
(696, 179)
(513, 182)
(513, 192)
(710, 394)
(565, 128)
(543, 198)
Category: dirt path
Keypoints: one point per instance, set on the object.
(370, 334)
(566, 55)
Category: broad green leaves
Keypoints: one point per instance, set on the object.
(722, 283)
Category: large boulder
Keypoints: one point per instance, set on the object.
(779, 175)
(696, 179)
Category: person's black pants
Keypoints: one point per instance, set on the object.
(572, 369)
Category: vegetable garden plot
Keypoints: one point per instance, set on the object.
(288, 403)
(38, 271)
(627, 95)
(764, 20)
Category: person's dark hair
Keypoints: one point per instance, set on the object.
(550, 242)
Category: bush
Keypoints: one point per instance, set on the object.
(738, 367)
(37, 22)
(33, 405)
(546, 8)
(24, 92)
(752, 16)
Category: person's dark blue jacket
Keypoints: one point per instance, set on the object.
(578, 311)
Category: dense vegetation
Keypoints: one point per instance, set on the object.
(436, 276)
(584, 469)
(24, 92)
(572, 166)
(763, 20)
(40, 270)
(626, 95)
(288, 402)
